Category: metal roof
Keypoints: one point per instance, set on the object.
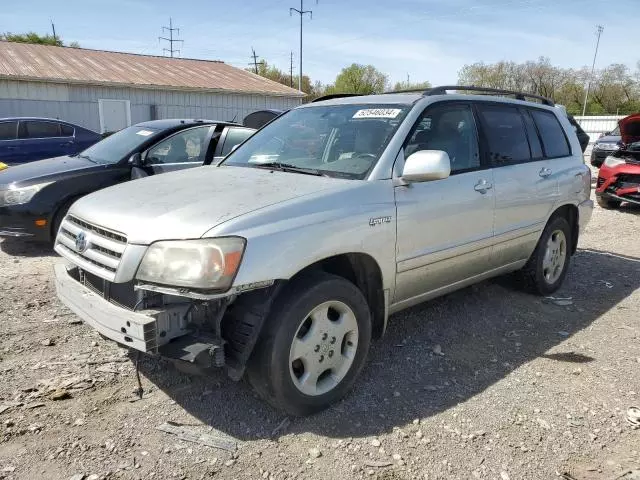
(44, 63)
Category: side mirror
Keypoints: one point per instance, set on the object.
(135, 160)
(426, 165)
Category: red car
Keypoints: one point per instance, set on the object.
(619, 175)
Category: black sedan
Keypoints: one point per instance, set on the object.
(35, 197)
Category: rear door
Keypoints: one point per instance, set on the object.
(231, 137)
(41, 139)
(184, 149)
(10, 150)
(526, 187)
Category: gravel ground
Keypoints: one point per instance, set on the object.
(485, 383)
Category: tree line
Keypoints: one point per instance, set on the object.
(613, 90)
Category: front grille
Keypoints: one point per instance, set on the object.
(628, 179)
(120, 294)
(101, 253)
(600, 182)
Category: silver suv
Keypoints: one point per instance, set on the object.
(287, 260)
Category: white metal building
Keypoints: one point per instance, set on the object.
(107, 91)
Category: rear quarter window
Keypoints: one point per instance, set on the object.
(554, 140)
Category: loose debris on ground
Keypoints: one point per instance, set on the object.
(486, 383)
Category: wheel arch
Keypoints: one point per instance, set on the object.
(363, 271)
(570, 212)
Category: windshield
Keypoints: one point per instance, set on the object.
(117, 146)
(339, 140)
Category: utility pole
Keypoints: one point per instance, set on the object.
(599, 30)
(53, 27)
(408, 83)
(255, 60)
(171, 40)
(301, 12)
(291, 72)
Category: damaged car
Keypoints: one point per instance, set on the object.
(619, 176)
(286, 261)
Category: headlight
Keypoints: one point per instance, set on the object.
(208, 264)
(607, 146)
(20, 195)
(613, 161)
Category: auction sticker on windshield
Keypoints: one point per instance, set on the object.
(377, 113)
(144, 133)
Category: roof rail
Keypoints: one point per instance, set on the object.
(442, 90)
(336, 95)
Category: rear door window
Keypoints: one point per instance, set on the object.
(554, 140)
(38, 129)
(8, 130)
(235, 136)
(506, 135)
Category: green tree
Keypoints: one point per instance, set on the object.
(33, 37)
(363, 79)
(411, 86)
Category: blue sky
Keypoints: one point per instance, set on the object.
(426, 39)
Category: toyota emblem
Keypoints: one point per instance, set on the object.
(81, 242)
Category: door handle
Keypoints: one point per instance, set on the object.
(482, 186)
(12, 148)
(545, 172)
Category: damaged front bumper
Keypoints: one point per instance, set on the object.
(144, 330)
(203, 332)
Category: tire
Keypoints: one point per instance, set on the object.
(608, 204)
(57, 219)
(546, 269)
(294, 347)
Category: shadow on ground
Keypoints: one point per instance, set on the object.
(485, 332)
(20, 247)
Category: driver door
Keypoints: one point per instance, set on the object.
(185, 149)
(444, 227)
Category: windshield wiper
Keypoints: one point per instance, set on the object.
(285, 167)
(86, 157)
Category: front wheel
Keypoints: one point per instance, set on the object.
(313, 345)
(549, 263)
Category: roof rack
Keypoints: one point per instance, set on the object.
(442, 90)
(470, 88)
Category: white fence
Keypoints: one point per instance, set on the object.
(597, 125)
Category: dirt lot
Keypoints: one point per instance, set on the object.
(486, 383)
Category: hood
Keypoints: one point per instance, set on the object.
(630, 129)
(43, 170)
(188, 203)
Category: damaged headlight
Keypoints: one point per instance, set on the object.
(20, 195)
(206, 264)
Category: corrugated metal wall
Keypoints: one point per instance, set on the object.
(79, 104)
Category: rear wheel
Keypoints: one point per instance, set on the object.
(608, 204)
(313, 346)
(545, 271)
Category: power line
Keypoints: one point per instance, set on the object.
(171, 40)
(301, 12)
(599, 30)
